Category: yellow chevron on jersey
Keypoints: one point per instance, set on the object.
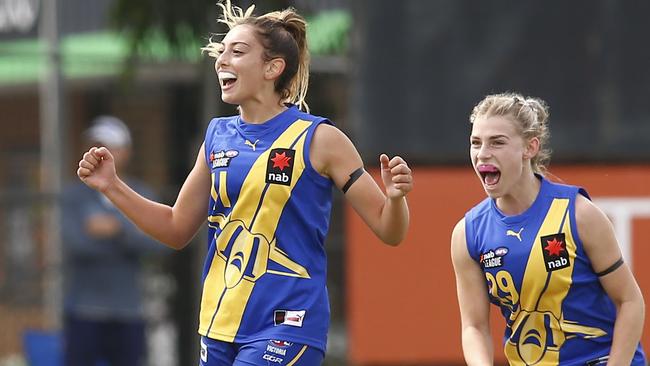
(536, 308)
(218, 219)
(539, 316)
(254, 219)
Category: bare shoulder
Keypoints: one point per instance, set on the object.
(329, 145)
(589, 218)
(328, 134)
(597, 234)
(459, 229)
(464, 265)
(200, 164)
(458, 241)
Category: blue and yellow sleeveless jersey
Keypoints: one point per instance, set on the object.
(265, 271)
(537, 272)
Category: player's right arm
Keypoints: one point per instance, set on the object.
(473, 302)
(174, 226)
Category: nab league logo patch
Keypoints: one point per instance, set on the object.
(221, 159)
(279, 168)
(555, 253)
(493, 258)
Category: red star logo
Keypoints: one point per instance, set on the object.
(212, 156)
(554, 247)
(280, 161)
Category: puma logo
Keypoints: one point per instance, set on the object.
(251, 144)
(515, 234)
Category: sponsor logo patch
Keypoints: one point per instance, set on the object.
(272, 358)
(279, 168)
(493, 258)
(555, 253)
(516, 234)
(221, 159)
(282, 344)
(276, 350)
(251, 144)
(289, 317)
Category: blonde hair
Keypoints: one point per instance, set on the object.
(283, 34)
(530, 114)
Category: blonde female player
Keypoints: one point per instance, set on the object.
(541, 251)
(264, 177)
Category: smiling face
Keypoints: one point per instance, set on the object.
(240, 67)
(499, 154)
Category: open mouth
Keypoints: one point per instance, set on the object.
(226, 79)
(489, 174)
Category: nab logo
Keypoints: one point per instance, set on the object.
(279, 168)
(555, 253)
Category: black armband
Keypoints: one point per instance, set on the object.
(611, 268)
(353, 178)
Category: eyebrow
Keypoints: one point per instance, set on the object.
(236, 43)
(498, 137)
(491, 137)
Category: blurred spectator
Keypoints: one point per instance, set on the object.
(103, 253)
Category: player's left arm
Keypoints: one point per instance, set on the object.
(333, 155)
(601, 246)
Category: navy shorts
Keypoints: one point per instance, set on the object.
(259, 353)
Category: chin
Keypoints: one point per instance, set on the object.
(227, 99)
(493, 193)
(230, 97)
(489, 193)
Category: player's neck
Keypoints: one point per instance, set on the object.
(521, 197)
(257, 112)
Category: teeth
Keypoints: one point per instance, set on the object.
(225, 75)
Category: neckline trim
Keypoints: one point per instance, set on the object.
(274, 122)
(514, 219)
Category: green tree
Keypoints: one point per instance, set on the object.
(179, 23)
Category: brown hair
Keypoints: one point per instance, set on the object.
(283, 34)
(530, 114)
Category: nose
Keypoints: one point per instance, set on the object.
(484, 152)
(222, 59)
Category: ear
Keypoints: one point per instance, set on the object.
(532, 148)
(274, 68)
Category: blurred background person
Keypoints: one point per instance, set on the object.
(103, 254)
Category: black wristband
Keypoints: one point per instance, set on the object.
(353, 178)
(611, 268)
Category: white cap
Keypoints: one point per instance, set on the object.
(110, 131)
